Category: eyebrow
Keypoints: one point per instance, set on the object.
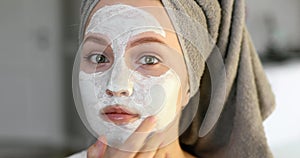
(149, 39)
(146, 40)
(97, 39)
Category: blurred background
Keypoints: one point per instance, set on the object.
(38, 41)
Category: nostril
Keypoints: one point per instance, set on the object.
(124, 93)
(109, 92)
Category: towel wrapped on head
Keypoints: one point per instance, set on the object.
(230, 110)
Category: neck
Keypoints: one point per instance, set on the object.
(170, 150)
(173, 150)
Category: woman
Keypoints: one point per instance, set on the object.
(119, 60)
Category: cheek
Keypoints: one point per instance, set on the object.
(92, 88)
(185, 93)
(86, 86)
(170, 90)
(179, 100)
(149, 93)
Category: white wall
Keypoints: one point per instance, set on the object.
(30, 72)
(286, 18)
(282, 127)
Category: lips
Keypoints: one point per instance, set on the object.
(119, 115)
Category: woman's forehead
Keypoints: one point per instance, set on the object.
(152, 7)
(119, 20)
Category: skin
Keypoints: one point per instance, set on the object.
(100, 149)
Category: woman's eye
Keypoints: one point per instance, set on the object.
(149, 60)
(98, 59)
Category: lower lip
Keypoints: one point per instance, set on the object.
(120, 119)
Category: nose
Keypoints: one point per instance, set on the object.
(119, 93)
(120, 83)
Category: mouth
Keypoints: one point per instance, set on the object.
(119, 115)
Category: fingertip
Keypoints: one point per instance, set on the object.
(101, 140)
(101, 143)
(152, 119)
(98, 149)
(150, 122)
(147, 125)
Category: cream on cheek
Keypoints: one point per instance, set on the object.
(151, 96)
(148, 95)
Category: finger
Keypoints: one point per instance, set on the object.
(151, 147)
(168, 155)
(98, 149)
(159, 153)
(149, 154)
(153, 142)
(136, 141)
(149, 150)
(138, 138)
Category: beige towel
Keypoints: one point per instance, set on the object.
(238, 132)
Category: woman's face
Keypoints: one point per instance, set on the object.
(131, 67)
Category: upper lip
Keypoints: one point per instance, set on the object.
(118, 109)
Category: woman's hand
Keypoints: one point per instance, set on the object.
(134, 143)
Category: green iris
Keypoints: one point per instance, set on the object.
(150, 60)
(101, 59)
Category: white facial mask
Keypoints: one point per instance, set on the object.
(150, 96)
